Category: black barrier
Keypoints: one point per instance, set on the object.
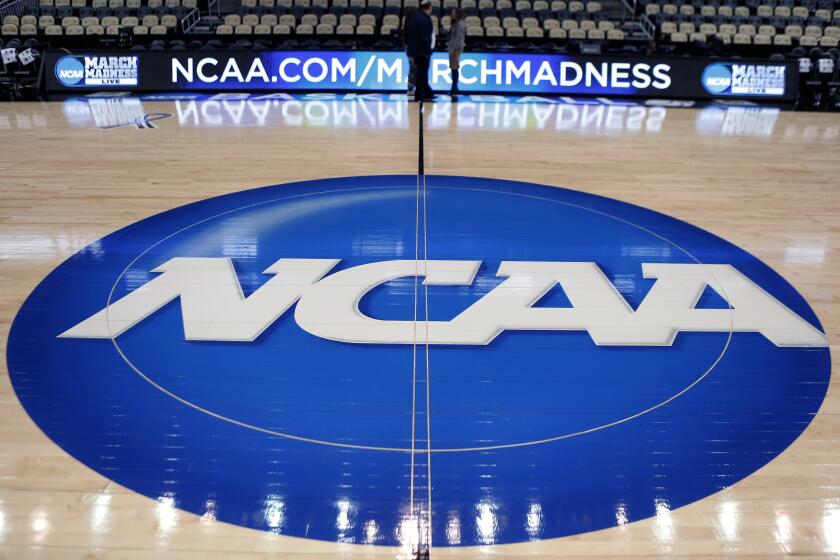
(511, 73)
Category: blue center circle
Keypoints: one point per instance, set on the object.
(537, 434)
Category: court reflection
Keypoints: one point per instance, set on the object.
(564, 115)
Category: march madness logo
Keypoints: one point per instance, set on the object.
(86, 71)
(286, 358)
(725, 78)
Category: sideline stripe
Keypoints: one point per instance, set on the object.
(424, 530)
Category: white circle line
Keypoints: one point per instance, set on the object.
(402, 449)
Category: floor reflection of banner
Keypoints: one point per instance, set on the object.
(385, 114)
(563, 115)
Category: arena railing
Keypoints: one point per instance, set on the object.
(15, 7)
(190, 20)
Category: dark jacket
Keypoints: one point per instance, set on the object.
(419, 36)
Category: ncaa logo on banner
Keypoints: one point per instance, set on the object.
(251, 358)
(717, 78)
(94, 71)
(70, 70)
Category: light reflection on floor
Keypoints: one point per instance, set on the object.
(598, 116)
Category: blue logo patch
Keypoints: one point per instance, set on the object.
(717, 78)
(264, 358)
(70, 71)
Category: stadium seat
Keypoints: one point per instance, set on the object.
(813, 31)
(793, 31)
(667, 27)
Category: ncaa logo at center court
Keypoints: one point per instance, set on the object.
(258, 355)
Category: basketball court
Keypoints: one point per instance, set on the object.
(515, 404)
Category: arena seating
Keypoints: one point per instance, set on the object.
(325, 22)
(486, 18)
(55, 18)
(779, 23)
(740, 27)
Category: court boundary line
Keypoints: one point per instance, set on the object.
(428, 365)
(413, 451)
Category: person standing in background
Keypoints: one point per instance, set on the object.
(457, 40)
(410, 12)
(419, 47)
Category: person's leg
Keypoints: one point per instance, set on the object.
(423, 89)
(412, 75)
(454, 67)
(418, 77)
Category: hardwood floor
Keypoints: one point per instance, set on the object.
(764, 180)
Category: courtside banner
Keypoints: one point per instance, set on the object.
(515, 73)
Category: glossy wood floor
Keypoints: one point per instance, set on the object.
(764, 180)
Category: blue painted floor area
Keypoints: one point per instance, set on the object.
(537, 434)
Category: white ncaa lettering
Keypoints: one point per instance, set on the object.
(213, 306)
